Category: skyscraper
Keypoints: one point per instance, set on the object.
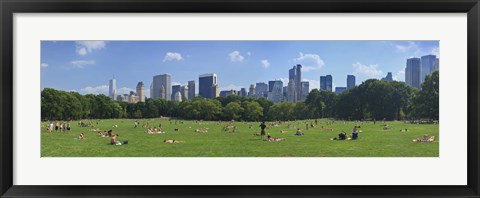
(177, 96)
(328, 82)
(175, 89)
(184, 91)
(251, 91)
(350, 81)
(191, 89)
(339, 90)
(151, 90)
(305, 88)
(112, 89)
(298, 82)
(276, 93)
(323, 83)
(159, 81)
(412, 72)
(388, 78)
(428, 63)
(242, 92)
(285, 94)
(141, 92)
(207, 85)
(291, 95)
(261, 89)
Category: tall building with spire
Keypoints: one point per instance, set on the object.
(251, 91)
(112, 89)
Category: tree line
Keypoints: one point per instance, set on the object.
(373, 99)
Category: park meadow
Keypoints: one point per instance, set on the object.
(220, 140)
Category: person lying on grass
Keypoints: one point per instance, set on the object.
(298, 133)
(154, 131)
(202, 130)
(425, 139)
(403, 130)
(173, 141)
(272, 139)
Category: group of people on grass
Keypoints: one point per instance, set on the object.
(62, 126)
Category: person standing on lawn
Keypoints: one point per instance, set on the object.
(263, 126)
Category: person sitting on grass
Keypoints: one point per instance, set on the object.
(298, 133)
(173, 141)
(354, 135)
(113, 140)
(99, 134)
(110, 133)
(105, 134)
(341, 136)
(81, 136)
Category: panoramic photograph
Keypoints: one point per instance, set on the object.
(195, 98)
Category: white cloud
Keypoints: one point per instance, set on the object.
(102, 89)
(147, 93)
(82, 63)
(284, 81)
(44, 65)
(265, 63)
(231, 86)
(171, 56)
(176, 83)
(406, 47)
(235, 56)
(85, 47)
(369, 71)
(400, 76)
(309, 61)
(249, 53)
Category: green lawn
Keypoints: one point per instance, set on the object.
(373, 140)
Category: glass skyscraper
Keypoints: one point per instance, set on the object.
(162, 83)
(412, 72)
(207, 85)
(428, 64)
(350, 81)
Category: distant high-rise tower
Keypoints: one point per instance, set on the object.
(177, 96)
(276, 93)
(388, 78)
(251, 91)
(305, 88)
(323, 83)
(191, 89)
(298, 82)
(207, 84)
(350, 81)
(243, 92)
(141, 92)
(164, 80)
(162, 94)
(112, 89)
(184, 92)
(339, 90)
(261, 89)
(412, 72)
(428, 63)
(175, 89)
(329, 82)
(292, 95)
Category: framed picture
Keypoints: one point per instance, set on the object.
(261, 99)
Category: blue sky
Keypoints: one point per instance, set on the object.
(87, 66)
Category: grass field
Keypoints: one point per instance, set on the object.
(373, 141)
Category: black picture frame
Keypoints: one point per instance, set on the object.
(10, 7)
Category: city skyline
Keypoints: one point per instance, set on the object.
(237, 63)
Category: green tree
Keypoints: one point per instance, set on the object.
(233, 110)
(253, 111)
